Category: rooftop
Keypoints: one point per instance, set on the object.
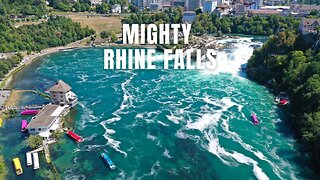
(46, 116)
(309, 22)
(305, 7)
(259, 12)
(60, 86)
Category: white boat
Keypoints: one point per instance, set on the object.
(35, 161)
(29, 159)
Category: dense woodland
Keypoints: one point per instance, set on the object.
(291, 63)
(57, 31)
(212, 24)
(23, 7)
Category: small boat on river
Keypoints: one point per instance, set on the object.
(29, 112)
(108, 161)
(75, 136)
(254, 119)
(24, 125)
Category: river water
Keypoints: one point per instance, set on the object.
(161, 124)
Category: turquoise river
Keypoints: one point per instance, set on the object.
(160, 124)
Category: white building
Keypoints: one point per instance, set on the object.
(227, 2)
(61, 94)
(189, 16)
(209, 5)
(47, 119)
(95, 2)
(116, 8)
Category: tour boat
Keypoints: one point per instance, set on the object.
(17, 166)
(75, 136)
(254, 119)
(108, 161)
(24, 125)
(29, 112)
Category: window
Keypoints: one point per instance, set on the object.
(39, 129)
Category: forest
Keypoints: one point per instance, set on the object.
(84, 5)
(23, 7)
(212, 24)
(57, 31)
(290, 62)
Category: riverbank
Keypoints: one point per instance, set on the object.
(29, 58)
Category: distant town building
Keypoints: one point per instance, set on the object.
(61, 94)
(308, 26)
(189, 16)
(261, 12)
(227, 2)
(240, 9)
(192, 5)
(95, 2)
(222, 10)
(209, 5)
(179, 3)
(166, 5)
(155, 7)
(255, 4)
(303, 10)
(116, 8)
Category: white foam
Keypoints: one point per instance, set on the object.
(225, 156)
(230, 62)
(205, 121)
(166, 154)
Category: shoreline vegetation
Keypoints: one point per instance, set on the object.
(290, 62)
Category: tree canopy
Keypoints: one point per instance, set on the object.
(290, 62)
(58, 31)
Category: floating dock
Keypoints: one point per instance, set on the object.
(29, 159)
(35, 161)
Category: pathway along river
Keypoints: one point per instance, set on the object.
(162, 124)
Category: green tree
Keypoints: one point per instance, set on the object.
(34, 141)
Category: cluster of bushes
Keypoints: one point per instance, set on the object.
(3, 168)
(290, 62)
(109, 35)
(8, 64)
(211, 23)
(254, 25)
(57, 31)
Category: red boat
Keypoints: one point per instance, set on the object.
(29, 112)
(75, 136)
(284, 102)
